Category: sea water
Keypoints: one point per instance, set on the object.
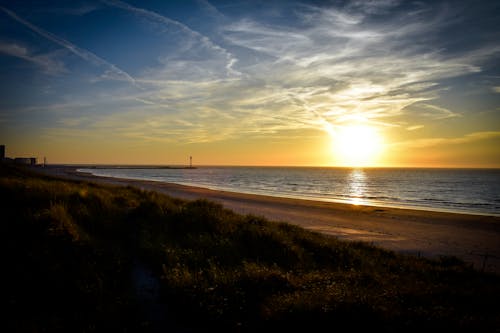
(475, 191)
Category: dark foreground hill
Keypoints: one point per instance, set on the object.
(81, 257)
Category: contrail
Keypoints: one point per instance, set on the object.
(84, 54)
(153, 16)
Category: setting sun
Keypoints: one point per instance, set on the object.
(357, 145)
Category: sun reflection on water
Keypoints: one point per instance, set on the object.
(356, 187)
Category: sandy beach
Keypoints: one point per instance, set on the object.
(473, 238)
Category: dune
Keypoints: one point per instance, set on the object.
(472, 238)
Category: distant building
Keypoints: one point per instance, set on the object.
(25, 160)
(16, 160)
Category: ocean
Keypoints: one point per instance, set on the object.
(474, 191)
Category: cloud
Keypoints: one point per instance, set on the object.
(211, 10)
(230, 60)
(433, 111)
(338, 63)
(144, 101)
(433, 142)
(83, 9)
(322, 70)
(373, 6)
(71, 8)
(47, 62)
(414, 127)
(81, 53)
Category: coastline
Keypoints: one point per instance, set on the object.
(472, 238)
(375, 187)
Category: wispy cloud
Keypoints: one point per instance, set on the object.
(47, 62)
(81, 53)
(346, 65)
(434, 112)
(72, 8)
(336, 67)
(414, 127)
(211, 10)
(373, 6)
(204, 40)
(255, 77)
(433, 142)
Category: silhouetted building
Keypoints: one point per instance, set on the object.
(25, 160)
(17, 160)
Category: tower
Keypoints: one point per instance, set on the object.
(190, 161)
(2, 152)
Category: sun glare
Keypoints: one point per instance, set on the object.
(357, 145)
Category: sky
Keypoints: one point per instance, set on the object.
(298, 83)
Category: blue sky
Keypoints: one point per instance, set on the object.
(235, 82)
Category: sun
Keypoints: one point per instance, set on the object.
(357, 145)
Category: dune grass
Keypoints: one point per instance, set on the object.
(73, 250)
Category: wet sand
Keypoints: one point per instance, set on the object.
(473, 238)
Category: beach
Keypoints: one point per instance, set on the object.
(472, 238)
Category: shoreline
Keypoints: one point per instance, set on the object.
(470, 237)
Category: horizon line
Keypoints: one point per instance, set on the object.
(265, 166)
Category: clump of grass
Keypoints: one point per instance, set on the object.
(78, 245)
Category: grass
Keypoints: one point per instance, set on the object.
(73, 250)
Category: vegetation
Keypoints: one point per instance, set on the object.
(82, 257)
